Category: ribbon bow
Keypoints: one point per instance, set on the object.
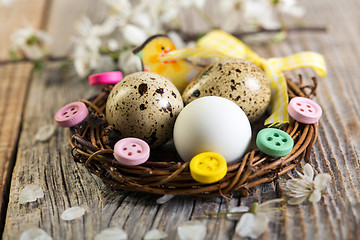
(226, 45)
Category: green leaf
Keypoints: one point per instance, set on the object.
(38, 66)
(279, 37)
(13, 55)
(32, 40)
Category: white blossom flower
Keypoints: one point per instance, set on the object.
(120, 7)
(251, 14)
(191, 3)
(113, 45)
(133, 34)
(166, 12)
(230, 15)
(30, 42)
(143, 20)
(87, 47)
(292, 8)
(260, 12)
(129, 63)
(306, 186)
(254, 221)
(6, 3)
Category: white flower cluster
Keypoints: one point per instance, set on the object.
(254, 221)
(107, 45)
(306, 186)
(29, 43)
(126, 26)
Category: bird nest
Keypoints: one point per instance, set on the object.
(165, 173)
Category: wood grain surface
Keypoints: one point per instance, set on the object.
(15, 78)
(67, 184)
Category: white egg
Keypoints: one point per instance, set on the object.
(212, 124)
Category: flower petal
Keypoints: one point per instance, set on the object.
(164, 198)
(35, 233)
(322, 180)
(30, 193)
(190, 230)
(240, 209)
(252, 225)
(72, 213)
(297, 200)
(155, 234)
(45, 132)
(113, 45)
(129, 63)
(133, 34)
(176, 39)
(315, 196)
(112, 234)
(309, 171)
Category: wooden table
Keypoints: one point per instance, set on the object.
(29, 101)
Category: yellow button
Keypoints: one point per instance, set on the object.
(208, 167)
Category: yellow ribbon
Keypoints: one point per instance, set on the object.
(220, 44)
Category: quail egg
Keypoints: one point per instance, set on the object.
(238, 80)
(144, 105)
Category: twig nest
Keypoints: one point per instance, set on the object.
(238, 80)
(144, 105)
(165, 174)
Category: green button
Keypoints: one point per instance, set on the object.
(274, 142)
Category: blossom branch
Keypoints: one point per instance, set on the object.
(319, 29)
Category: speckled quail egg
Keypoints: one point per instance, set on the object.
(144, 105)
(238, 80)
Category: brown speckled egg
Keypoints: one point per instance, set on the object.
(144, 105)
(235, 79)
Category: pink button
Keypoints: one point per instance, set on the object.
(304, 110)
(131, 151)
(71, 114)
(105, 78)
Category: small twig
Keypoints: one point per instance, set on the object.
(49, 59)
(190, 36)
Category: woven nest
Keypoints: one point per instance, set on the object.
(165, 173)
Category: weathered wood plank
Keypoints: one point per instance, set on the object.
(68, 184)
(15, 79)
(19, 14)
(337, 150)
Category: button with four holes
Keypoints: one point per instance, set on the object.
(105, 78)
(71, 114)
(131, 151)
(274, 142)
(304, 110)
(208, 167)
